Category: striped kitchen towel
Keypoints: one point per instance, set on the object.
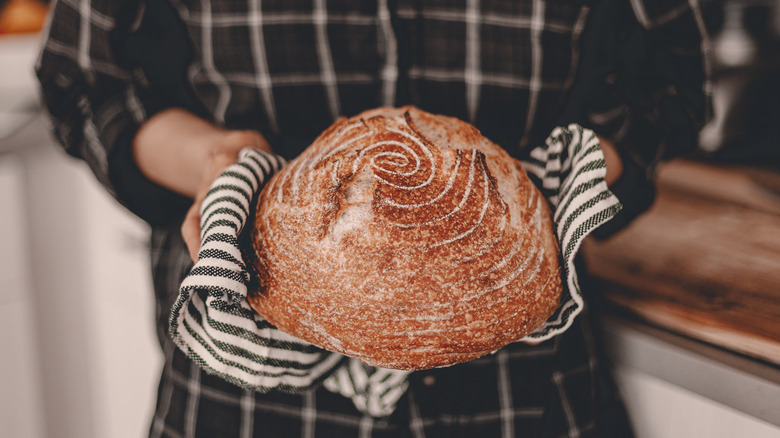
(214, 325)
(569, 170)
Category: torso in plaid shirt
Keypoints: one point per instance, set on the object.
(289, 68)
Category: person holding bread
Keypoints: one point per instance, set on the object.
(159, 98)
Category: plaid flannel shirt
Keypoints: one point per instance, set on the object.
(635, 72)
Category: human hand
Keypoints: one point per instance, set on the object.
(184, 153)
(613, 160)
(223, 154)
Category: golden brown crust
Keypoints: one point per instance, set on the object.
(407, 240)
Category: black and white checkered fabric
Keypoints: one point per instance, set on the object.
(289, 68)
(213, 323)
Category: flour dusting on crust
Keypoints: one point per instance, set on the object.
(407, 240)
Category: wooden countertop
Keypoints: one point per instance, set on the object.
(705, 260)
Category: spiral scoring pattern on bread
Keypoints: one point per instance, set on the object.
(407, 240)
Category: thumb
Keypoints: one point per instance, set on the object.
(190, 230)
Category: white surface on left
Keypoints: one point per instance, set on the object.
(76, 307)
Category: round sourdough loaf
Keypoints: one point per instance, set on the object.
(405, 239)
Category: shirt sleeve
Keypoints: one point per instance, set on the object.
(646, 86)
(97, 102)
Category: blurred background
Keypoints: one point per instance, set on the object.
(80, 357)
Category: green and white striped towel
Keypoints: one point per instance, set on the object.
(214, 325)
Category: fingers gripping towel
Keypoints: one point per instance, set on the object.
(214, 325)
(212, 321)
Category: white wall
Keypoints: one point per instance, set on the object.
(20, 396)
(77, 340)
(126, 353)
(80, 301)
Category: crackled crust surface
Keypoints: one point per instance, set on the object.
(407, 240)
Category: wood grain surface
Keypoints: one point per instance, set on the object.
(705, 260)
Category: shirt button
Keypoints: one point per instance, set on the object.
(429, 380)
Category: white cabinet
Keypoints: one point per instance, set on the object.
(675, 387)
